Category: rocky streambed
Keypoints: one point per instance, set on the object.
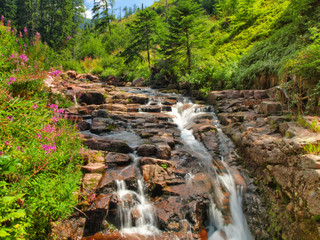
(159, 166)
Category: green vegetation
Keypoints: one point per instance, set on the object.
(39, 150)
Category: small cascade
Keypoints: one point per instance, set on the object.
(135, 213)
(224, 189)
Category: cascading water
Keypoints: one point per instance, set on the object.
(135, 213)
(222, 184)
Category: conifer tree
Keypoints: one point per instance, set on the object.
(142, 30)
(8, 9)
(101, 16)
(182, 24)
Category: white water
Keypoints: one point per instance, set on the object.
(238, 229)
(134, 204)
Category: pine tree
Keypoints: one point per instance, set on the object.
(8, 9)
(142, 30)
(101, 16)
(182, 25)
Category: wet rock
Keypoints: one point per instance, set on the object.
(100, 125)
(94, 168)
(101, 113)
(108, 145)
(91, 98)
(146, 150)
(118, 159)
(138, 98)
(71, 228)
(168, 213)
(108, 179)
(163, 151)
(83, 125)
(154, 161)
(151, 108)
(269, 107)
(139, 82)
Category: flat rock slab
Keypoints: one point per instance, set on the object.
(107, 145)
(118, 159)
(128, 174)
(94, 167)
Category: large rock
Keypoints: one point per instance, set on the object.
(163, 151)
(139, 82)
(100, 113)
(128, 174)
(91, 98)
(269, 107)
(108, 145)
(118, 159)
(100, 125)
(146, 150)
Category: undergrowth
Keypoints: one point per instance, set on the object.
(39, 149)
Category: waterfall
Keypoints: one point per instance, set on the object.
(223, 184)
(135, 212)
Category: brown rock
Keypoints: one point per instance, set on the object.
(146, 150)
(108, 179)
(163, 151)
(139, 82)
(269, 107)
(151, 108)
(118, 159)
(71, 74)
(83, 125)
(107, 145)
(91, 98)
(94, 168)
(260, 94)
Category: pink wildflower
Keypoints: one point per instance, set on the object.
(6, 143)
(10, 118)
(39, 136)
(35, 106)
(11, 80)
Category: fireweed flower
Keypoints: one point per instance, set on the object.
(39, 136)
(11, 80)
(1, 153)
(6, 143)
(24, 58)
(35, 106)
(55, 73)
(10, 118)
(49, 148)
(68, 38)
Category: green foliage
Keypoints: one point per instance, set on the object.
(38, 147)
(142, 30)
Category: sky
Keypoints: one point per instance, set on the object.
(118, 4)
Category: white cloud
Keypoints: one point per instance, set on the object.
(88, 13)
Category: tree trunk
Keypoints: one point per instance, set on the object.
(188, 53)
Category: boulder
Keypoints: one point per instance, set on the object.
(107, 181)
(91, 98)
(146, 150)
(269, 107)
(83, 125)
(101, 113)
(117, 159)
(163, 151)
(108, 145)
(94, 168)
(151, 108)
(71, 74)
(139, 82)
(100, 125)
